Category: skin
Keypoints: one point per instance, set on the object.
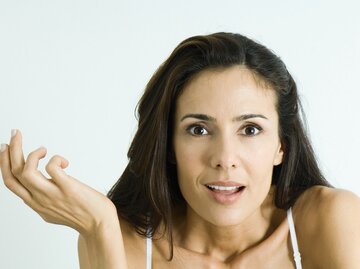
(225, 152)
(62, 199)
(250, 233)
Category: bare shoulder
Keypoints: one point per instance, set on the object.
(328, 222)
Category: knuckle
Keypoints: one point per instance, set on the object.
(26, 174)
(49, 167)
(52, 163)
(11, 147)
(9, 184)
(32, 154)
(16, 171)
(30, 203)
(55, 157)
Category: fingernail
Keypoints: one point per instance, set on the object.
(3, 147)
(13, 132)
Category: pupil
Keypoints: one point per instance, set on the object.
(249, 131)
(198, 130)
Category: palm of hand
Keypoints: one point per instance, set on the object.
(60, 199)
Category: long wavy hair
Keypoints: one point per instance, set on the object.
(147, 192)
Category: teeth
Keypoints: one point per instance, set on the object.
(223, 188)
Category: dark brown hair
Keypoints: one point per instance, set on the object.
(147, 192)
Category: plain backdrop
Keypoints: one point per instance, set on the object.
(71, 73)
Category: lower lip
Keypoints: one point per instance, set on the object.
(225, 198)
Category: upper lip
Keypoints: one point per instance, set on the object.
(226, 183)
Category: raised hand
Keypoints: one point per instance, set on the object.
(60, 199)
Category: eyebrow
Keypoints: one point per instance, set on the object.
(205, 117)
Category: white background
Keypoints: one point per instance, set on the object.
(71, 73)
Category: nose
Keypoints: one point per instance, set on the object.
(225, 154)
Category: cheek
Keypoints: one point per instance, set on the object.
(258, 169)
(258, 161)
(189, 160)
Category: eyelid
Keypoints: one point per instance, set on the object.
(251, 124)
(241, 129)
(193, 125)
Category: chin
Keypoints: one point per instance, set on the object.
(225, 217)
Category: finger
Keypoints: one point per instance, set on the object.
(16, 153)
(31, 177)
(11, 182)
(55, 169)
(32, 161)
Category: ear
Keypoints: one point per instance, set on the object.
(278, 158)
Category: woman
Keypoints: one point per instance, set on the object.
(221, 174)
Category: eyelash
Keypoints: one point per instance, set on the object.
(191, 127)
(259, 129)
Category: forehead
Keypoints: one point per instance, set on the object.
(233, 90)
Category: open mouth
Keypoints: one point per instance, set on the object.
(224, 189)
(225, 195)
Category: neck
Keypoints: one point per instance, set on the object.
(226, 242)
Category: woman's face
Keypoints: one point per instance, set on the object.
(226, 144)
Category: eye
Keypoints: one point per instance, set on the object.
(251, 130)
(197, 130)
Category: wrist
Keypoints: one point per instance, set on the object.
(105, 246)
(98, 218)
(107, 224)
